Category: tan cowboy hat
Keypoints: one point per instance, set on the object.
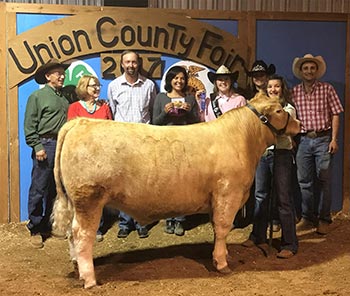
(43, 69)
(223, 71)
(318, 60)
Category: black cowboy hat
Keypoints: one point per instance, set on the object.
(260, 66)
(43, 69)
(223, 71)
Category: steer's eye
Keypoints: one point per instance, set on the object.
(279, 111)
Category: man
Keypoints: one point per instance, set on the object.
(45, 114)
(131, 97)
(318, 108)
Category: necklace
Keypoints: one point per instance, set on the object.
(87, 109)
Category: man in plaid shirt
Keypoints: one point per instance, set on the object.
(318, 108)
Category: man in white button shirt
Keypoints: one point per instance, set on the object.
(131, 97)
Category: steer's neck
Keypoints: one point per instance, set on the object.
(251, 131)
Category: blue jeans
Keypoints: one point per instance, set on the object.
(180, 219)
(313, 160)
(263, 188)
(283, 189)
(42, 191)
(109, 216)
(128, 223)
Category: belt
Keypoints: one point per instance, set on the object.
(49, 136)
(314, 134)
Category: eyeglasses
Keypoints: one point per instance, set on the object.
(95, 86)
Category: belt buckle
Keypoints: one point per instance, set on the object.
(312, 135)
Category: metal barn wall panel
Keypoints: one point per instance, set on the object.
(323, 6)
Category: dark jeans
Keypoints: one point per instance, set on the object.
(313, 156)
(283, 187)
(128, 223)
(109, 216)
(180, 219)
(263, 188)
(42, 191)
(279, 165)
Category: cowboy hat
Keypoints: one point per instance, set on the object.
(223, 71)
(318, 60)
(260, 66)
(45, 68)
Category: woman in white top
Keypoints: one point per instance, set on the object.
(283, 172)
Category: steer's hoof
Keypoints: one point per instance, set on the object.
(89, 286)
(225, 270)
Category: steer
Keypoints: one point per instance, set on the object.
(155, 172)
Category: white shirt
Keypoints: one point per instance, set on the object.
(131, 102)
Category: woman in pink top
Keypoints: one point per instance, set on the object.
(224, 97)
(89, 105)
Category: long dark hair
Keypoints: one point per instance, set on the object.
(286, 93)
(172, 72)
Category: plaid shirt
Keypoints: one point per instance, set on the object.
(315, 110)
(131, 102)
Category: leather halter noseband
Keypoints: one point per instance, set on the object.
(265, 121)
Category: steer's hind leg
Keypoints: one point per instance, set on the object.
(85, 225)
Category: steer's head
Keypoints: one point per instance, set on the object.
(271, 113)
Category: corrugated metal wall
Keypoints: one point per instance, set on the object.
(323, 6)
(339, 6)
(65, 2)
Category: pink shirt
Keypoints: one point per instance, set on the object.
(315, 110)
(225, 104)
(77, 110)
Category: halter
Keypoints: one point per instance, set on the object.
(265, 121)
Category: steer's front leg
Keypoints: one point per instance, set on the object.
(220, 250)
(224, 211)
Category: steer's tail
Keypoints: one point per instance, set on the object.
(63, 210)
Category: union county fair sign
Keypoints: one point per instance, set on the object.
(141, 30)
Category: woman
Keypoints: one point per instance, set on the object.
(259, 74)
(282, 180)
(88, 91)
(175, 107)
(224, 97)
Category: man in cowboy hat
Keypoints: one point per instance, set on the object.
(318, 108)
(45, 114)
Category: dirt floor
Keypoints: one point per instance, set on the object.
(164, 264)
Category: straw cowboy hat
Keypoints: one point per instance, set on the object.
(260, 66)
(223, 71)
(318, 60)
(45, 68)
